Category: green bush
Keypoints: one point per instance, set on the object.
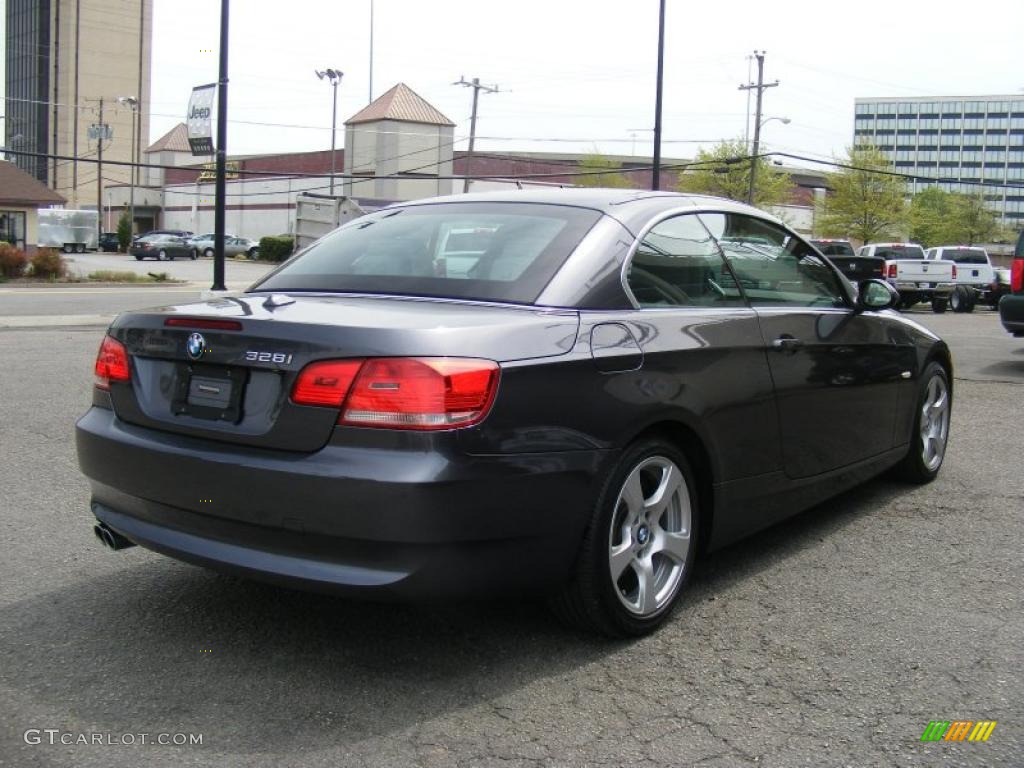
(13, 261)
(124, 232)
(276, 248)
(46, 262)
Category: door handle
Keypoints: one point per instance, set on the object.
(787, 343)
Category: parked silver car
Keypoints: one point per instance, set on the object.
(203, 245)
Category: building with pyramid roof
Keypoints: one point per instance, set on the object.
(398, 134)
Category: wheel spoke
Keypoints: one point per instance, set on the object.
(633, 496)
(671, 480)
(675, 545)
(621, 557)
(647, 596)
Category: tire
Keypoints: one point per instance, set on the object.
(194, 255)
(138, 258)
(958, 299)
(253, 253)
(928, 441)
(162, 256)
(208, 253)
(68, 248)
(79, 247)
(939, 304)
(972, 300)
(628, 533)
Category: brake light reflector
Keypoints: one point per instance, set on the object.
(205, 323)
(1017, 275)
(890, 270)
(111, 363)
(325, 382)
(954, 271)
(421, 393)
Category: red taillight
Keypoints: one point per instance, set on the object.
(205, 323)
(954, 271)
(325, 383)
(1017, 275)
(111, 363)
(890, 270)
(421, 393)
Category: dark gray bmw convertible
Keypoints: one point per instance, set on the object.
(568, 391)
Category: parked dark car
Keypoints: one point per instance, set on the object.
(1011, 306)
(855, 268)
(108, 242)
(184, 233)
(619, 381)
(161, 247)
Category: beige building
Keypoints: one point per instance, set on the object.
(399, 133)
(77, 74)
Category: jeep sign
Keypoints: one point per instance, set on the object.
(200, 119)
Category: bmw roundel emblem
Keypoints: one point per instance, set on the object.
(195, 346)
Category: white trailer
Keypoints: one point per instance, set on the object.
(69, 230)
(316, 215)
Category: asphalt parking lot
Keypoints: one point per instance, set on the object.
(830, 640)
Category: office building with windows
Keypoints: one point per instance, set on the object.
(62, 57)
(968, 144)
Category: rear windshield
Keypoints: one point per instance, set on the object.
(833, 249)
(505, 252)
(965, 256)
(900, 251)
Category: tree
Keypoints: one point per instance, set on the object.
(724, 171)
(861, 202)
(124, 232)
(595, 161)
(938, 217)
(977, 223)
(932, 214)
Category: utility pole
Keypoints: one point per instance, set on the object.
(477, 87)
(370, 100)
(759, 87)
(222, 141)
(100, 133)
(656, 171)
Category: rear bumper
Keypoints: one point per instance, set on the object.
(399, 524)
(1011, 313)
(922, 288)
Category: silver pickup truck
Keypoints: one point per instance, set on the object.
(915, 278)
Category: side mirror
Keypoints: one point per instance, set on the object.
(875, 295)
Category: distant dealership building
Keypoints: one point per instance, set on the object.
(969, 144)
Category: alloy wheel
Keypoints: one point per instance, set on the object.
(649, 539)
(934, 423)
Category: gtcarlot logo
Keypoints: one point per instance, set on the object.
(54, 736)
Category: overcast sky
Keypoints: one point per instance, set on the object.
(582, 70)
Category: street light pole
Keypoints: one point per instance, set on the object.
(132, 102)
(334, 77)
(220, 189)
(656, 171)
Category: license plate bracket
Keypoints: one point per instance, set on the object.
(211, 392)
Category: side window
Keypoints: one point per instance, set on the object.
(774, 267)
(677, 264)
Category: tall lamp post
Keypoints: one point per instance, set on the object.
(757, 148)
(133, 103)
(334, 78)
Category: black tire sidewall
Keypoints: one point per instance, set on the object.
(596, 570)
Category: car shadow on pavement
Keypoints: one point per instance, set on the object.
(162, 646)
(1013, 369)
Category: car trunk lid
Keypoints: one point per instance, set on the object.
(224, 369)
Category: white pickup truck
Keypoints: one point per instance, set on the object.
(913, 276)
(975, 277)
